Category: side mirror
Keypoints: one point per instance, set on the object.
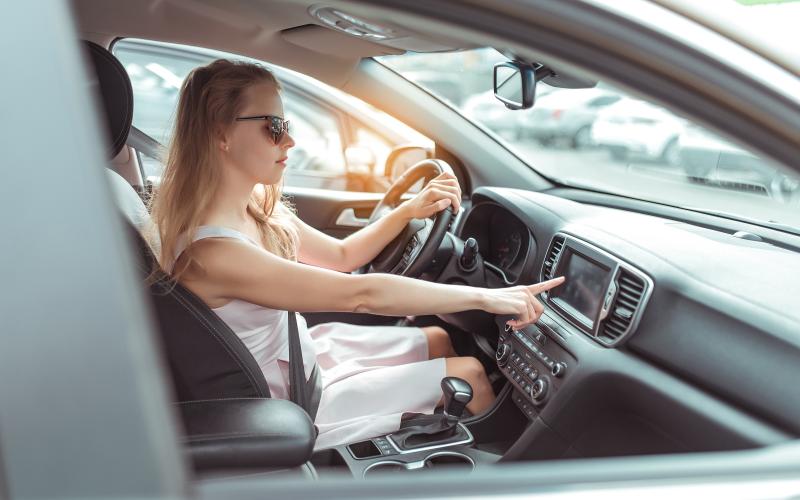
(404, 157)
(515, 84)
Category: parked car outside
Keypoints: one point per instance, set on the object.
(484, 108)
(567, 116)
(705, 157)
(634, 127)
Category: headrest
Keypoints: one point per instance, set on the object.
(113, 86)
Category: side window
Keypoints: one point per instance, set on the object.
(317, 159)
(341, 144)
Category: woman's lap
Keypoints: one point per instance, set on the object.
(344, 349)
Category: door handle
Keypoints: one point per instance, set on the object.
(347, 217)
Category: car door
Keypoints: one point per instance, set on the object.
(335, 173)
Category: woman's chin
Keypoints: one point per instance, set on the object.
(272, 179)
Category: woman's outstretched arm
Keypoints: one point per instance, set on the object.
(230, 269)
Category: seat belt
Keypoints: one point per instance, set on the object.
(304, 394)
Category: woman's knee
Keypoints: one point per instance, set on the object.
(439, 345)
(468, 368)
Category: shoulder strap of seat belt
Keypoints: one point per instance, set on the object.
(297, 376)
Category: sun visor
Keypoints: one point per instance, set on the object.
(327, 41)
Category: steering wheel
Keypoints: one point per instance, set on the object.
(410, 253)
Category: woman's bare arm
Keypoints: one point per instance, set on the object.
(318, 249)
(238, 270)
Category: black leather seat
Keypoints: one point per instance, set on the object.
(220, 389)
(206, 359)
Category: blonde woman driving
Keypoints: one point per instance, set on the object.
(228, 236)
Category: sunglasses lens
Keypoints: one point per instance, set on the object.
(277, 127)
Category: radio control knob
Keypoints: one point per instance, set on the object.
(503, 353)
(558, 369)
(539, 390)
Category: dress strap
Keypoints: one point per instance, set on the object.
(204, 232)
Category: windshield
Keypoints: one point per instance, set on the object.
(606, 140)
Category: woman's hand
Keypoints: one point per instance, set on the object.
(441, 192)
(519, 301)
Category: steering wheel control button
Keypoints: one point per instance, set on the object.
(558, 369)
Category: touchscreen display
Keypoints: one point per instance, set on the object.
(584, 286)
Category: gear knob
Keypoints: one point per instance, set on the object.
(457, 393)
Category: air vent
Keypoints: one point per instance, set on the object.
(552, 257)
(623, 310)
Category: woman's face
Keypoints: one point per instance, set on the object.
(249, 145)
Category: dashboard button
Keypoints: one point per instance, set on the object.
(503, 353)
(558, 369)
(539, 390)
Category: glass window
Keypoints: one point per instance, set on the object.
(341, 142)
(602, 139)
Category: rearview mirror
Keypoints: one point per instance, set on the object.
(515, 84)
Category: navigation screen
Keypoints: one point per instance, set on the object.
(584, 286)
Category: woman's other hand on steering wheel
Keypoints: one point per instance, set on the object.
(520, 301)
(441, 192)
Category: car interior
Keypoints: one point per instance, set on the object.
(675, 332)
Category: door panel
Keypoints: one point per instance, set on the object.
(320, 208)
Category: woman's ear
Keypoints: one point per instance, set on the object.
(223, 142)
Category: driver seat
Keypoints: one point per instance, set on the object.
(219, 388)
(190, 331)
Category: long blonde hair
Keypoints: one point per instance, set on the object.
(211, 98)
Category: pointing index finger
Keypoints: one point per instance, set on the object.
(546, 285)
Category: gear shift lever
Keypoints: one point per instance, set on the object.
(457, 394)
(428, 430)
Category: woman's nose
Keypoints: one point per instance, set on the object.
(288, 141)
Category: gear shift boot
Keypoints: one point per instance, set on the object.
(438, 430)
(428, 430)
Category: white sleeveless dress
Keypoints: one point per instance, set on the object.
(371, 375)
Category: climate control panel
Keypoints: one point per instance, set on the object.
(534, 364)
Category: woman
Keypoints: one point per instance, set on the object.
(227, 236)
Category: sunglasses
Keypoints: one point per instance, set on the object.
(276, 125)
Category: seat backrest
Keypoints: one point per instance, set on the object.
(207, 360)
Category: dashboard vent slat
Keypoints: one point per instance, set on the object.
(552, 257)
(621, 313)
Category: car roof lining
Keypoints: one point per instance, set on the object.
(279, 31)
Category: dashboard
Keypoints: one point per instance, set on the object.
(666, 337)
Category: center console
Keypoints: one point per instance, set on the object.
(381, 454)
(422, 442)
(536, 365)
(602, 298)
